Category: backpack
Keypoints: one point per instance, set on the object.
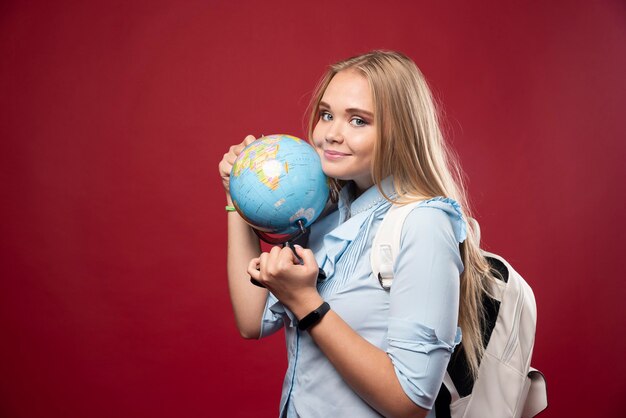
(506, 385)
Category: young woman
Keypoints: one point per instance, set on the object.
(373, 352)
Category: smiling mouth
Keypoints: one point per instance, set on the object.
(333, 155)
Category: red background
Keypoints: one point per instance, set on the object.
(114, 115)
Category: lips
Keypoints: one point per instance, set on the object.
(334, 155)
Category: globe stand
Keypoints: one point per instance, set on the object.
(286, 240)
(282, 239)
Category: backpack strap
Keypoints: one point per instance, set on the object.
(537, 399)
(454, 394)
(386, 245)
(385, 249)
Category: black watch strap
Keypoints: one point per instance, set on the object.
(314, 317)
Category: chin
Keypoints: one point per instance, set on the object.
(331, 171)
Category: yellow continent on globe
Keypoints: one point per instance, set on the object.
(260, 158)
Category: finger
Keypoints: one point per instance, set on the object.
(288, 259)
(253, 268)
(225, 167)
(274, 254)
(298, 260)
(273, 261)
(233, 152)
(307, 256)
(231, 156)
(263, 262)
(248, 140)
(275, 250)
(236, 149)
(289, 254)
(255, 262)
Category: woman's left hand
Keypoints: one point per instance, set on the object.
(294, 284)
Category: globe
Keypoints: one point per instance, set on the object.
(277, 184)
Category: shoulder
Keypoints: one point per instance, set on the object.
(437, 217)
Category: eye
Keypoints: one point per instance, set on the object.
(325, 116)
(356, 121)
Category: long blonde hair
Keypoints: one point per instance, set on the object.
(411, 148)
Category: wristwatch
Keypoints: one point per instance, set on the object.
(314, 317)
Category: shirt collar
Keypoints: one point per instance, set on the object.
(372, 197)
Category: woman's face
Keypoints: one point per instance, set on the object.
(345, 133)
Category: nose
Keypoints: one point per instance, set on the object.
(333, 134)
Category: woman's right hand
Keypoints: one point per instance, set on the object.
(229, 159)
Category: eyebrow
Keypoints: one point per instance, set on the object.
(350, 110)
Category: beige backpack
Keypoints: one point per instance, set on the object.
(506, 385)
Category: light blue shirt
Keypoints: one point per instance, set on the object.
(415, 322)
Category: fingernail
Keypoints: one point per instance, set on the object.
(298, 246)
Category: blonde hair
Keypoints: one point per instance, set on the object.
(411, 148)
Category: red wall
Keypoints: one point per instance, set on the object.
(113, 117)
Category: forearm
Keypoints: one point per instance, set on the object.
(366, 368)
(248, 300)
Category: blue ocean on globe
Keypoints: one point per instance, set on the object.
(276, 181)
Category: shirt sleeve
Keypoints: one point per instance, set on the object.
(424, 299)
(272, 319)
